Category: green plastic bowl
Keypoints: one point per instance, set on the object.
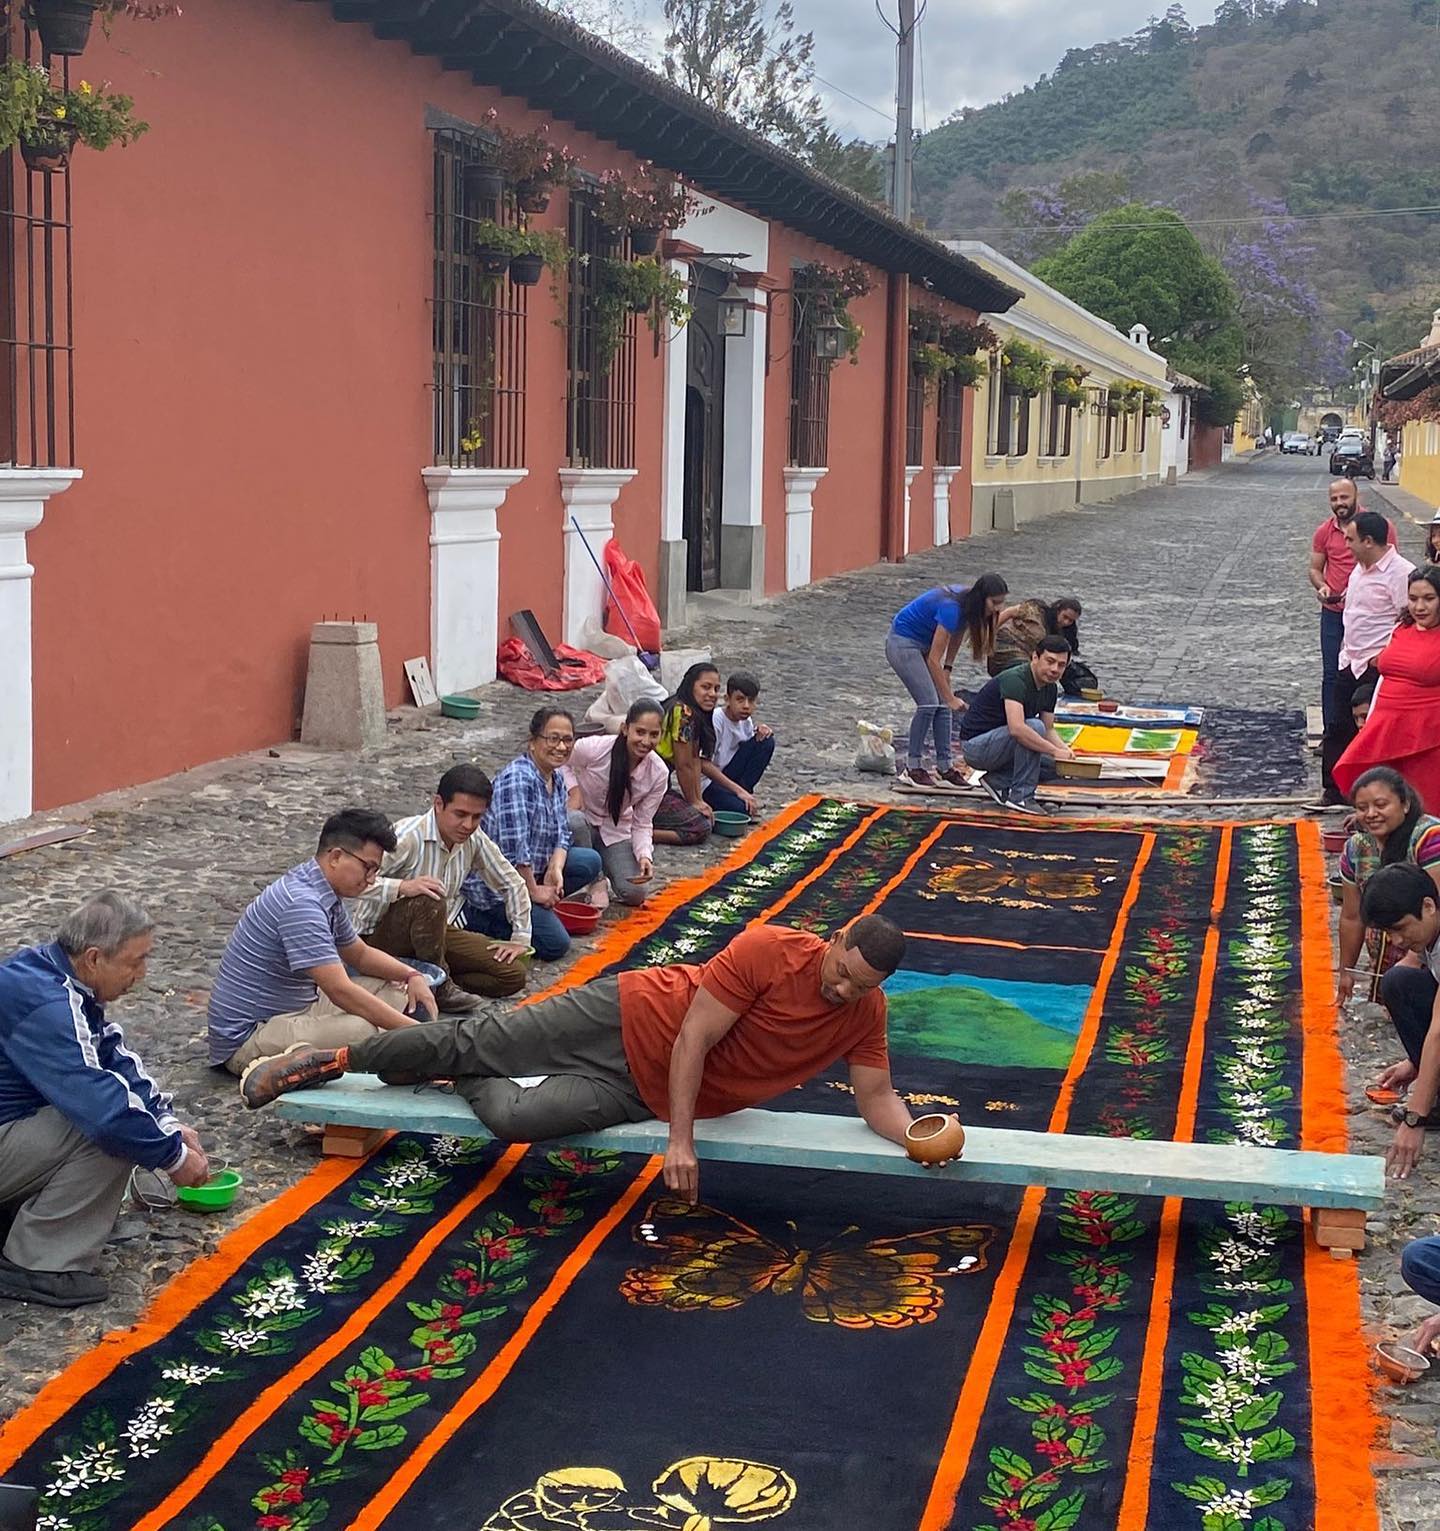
(459, 707)
(218, 1192)
(732, 825)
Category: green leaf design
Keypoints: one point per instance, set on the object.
(396, 1408)
(1255, 1416)
(1274, 1446)
(1061, 1515)
(379, 1440)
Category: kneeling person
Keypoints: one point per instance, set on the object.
(418, 903)
(78, 1111)
(1008, 731)
(772, 1010)
(283, 978)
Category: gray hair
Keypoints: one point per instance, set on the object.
(106, 921)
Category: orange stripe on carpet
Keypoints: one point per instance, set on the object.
(791, 894)
(651, 915)
(965, 1422)
(484, 1387)
(1014, 946)
(1135, 1505)
(170, 1306)
(1342, 1400)
(279, 1391)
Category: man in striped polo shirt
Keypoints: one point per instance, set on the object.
(416, 904)
(283, 977)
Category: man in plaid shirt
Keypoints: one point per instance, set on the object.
(418, 901)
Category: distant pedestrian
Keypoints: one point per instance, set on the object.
(1375, 599)
(921, 648)
(1432, 540)
(1390, 455)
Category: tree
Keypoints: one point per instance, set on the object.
(1141, 265)
(618, 22)
(859, 165)
(1039, 219)
(748, 62)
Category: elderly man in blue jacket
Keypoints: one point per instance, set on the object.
(77, 1110)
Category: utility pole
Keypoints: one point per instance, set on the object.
(904, 157)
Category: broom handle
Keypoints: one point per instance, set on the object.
(639, 647)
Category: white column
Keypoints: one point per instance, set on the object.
(742, 493)
(465, 572)
(799, 507)
(943, 478)
(672, 445)
(588, 495)
(911, 474)
(23, 496)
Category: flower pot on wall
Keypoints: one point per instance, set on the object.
(525, 270)
(494, 261)
(48, 148)
(531, 198)
(484, 182)
(63, 25)
(644, 241)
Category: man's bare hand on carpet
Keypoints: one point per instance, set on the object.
(682, 1172)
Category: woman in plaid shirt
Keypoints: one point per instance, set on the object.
(529, 821)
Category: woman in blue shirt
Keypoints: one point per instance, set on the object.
(924, 639)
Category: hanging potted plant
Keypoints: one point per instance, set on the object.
(530, 164)
(966, 371)
(483, 181)
(524, 253)
(644, 207)
(47, 121)
(1025, 367)
(1115, 398)
(1132, 398)
(1152, 405)
(829, 289)
(63, 26)
(634, 287)
(1067, 383)
(930, 365)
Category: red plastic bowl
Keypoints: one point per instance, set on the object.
(1334, 840)
(579, 919)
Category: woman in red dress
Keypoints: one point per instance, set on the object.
(1403, 729)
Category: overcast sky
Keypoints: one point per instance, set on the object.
(973, 50)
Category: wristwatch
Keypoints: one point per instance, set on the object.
(1404, 1118)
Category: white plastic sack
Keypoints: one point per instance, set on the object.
(595, 640)
(675, 662)
(627, 681)
(876, 753)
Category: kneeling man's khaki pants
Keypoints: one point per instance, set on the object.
(321, 1024)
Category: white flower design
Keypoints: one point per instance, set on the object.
(149, 1427)
(281, 1294)
(87, 1468)
(191, 1373)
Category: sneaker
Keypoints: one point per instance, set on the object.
(1026, 805)
(300, 1067)
(916, 779)
(55, 1289)
(996, 794)
(454, 1000)
(957, 779)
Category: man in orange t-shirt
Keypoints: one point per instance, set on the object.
(772, 1010)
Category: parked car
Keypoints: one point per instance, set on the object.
(1352, 457)
(1296, 441)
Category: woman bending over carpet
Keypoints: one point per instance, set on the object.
(1024, 625)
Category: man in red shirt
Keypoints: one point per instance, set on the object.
(772, 1010)
(1332, 562)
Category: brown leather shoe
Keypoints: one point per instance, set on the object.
(299, 1068)
(454, 1000)
(55, 1289)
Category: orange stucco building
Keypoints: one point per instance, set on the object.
(274, 326)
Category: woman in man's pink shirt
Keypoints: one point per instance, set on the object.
(616, 783)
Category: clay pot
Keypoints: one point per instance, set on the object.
(48, 149)
(644, 241)
(1333, 840)
(1108, 706)
(484, 182)
(1399, 1362)
(934, 1138)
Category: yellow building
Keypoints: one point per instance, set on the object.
(1092, 429)
(1250, 427)
(1410, 386)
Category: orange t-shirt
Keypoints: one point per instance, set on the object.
(787, 1032)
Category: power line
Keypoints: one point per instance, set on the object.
(1075, 228)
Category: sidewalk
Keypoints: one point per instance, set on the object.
(1405, 507)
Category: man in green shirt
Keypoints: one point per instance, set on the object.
(1008, 731)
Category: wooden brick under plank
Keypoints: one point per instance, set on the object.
(993, 1155)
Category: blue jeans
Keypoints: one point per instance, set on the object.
(1332, 630)
(1012, 768)
(932, 711)
(547, 935)
(1420, 1266)
(1408, 993)
(745, 768)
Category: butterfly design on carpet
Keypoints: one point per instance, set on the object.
(705, 1259)
(976, 880)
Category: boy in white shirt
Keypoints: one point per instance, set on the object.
(743, 748)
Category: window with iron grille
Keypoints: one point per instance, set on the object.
(914, 417)
(479, 321)
(1122, 444)
(1014, 423)
(1142, 430)
(809, 383)
(1057, 434)
(949, 423)
(1107, 436)
(37, 387)
(600, 395)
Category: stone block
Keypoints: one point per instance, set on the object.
(1002, 516)
(344, 696)
(672, 592)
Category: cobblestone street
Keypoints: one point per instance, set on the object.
(1195, 594)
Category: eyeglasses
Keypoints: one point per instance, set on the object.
(558, 741)
(372, 868)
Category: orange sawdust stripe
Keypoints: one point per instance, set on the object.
(970, 1407)
(485, 1386)
(1135, 1505)
(1014, 946)
(171, 1306)
(1345, 1423)
(646, 920)
(281, 1390)
(850, 840)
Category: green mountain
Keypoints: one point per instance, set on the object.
(1307, 108)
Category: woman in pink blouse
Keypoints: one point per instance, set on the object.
(617, 782)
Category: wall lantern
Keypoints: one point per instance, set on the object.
(829, 338)
(734, 311)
